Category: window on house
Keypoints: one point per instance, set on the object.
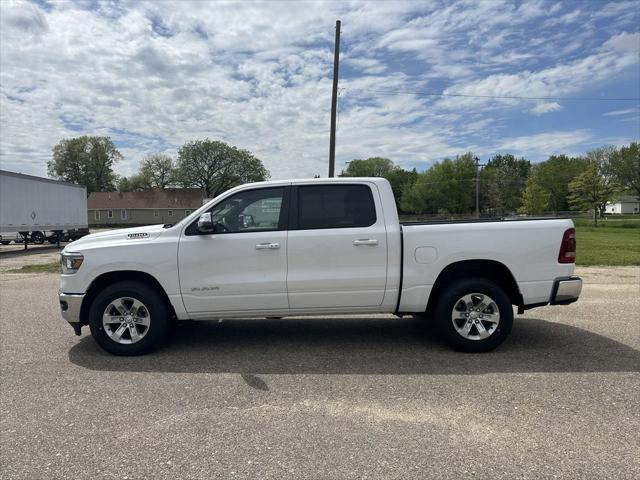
(96, 214)
(123, 214)
(110, 214)
(170, 213)
(156, 213)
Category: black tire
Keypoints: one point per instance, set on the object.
(37, 238)
(5, 242)
(159, 314)
(449, 300)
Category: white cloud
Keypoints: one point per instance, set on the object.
(557, 81)
(567, 18)
(545, 107)
(366, 65)
(624, 42)
(258, 75)
(25, 18)
(626, 111)
(543, 144)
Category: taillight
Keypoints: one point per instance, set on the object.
(568, 247)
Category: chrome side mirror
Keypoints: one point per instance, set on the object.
(205, 225)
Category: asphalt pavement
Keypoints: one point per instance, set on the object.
(324, 397)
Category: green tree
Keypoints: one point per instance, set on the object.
(399, 178)
(134, 183)
(158, 170)
(535, 199)
(215, 166)
(600, 159)
(371, 167)
(86, 161)
(554, 175)
(124, 185)
(591, 191)
(446, 187)
(503, 181)
(625, 168)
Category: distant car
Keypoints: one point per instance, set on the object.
(315, 247)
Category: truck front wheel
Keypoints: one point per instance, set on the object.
(474, 315)
(129, 318)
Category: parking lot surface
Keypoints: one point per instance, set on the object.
(363, 397)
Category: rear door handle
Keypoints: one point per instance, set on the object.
(267, 246)
(365, 241)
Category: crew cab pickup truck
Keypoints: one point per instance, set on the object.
(315, 247)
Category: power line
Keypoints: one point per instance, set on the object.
(504, 97)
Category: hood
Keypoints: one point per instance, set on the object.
(121, 235)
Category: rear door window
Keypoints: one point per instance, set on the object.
(335, 206)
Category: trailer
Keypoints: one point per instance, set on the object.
(35, 209)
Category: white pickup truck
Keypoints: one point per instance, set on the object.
(314, 247)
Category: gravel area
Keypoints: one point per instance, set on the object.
(38, 256)
(329, 398)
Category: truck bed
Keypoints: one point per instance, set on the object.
(528, 246)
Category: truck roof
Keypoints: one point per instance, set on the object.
(297, 181)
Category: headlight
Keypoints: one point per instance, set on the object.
(71, 262)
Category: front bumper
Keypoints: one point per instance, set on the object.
(566, 290)
(70, 305)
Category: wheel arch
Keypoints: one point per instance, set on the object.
(108, 278)
(492, 270)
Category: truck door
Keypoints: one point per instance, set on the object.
(337, 247)
(242, 266)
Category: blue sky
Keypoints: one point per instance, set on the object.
(257, 75)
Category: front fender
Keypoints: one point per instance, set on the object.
(158, 259)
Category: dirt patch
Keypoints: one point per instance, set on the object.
(609, 275)
(33, 257)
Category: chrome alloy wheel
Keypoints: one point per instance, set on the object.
(475, 316)
(126, 320)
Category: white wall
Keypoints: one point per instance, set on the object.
(623, 207)
(31, 203)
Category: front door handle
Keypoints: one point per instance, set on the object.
(267, 246)
(365, 241)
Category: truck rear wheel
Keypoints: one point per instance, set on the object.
(129, 318)
(474, 315)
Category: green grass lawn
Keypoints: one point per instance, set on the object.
(39, 268)
(615, 241)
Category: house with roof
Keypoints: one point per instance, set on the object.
(624, 205)
(150, 207)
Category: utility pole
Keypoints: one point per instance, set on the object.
(334, 102)
(478, 165)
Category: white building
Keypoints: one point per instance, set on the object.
(625, 204)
